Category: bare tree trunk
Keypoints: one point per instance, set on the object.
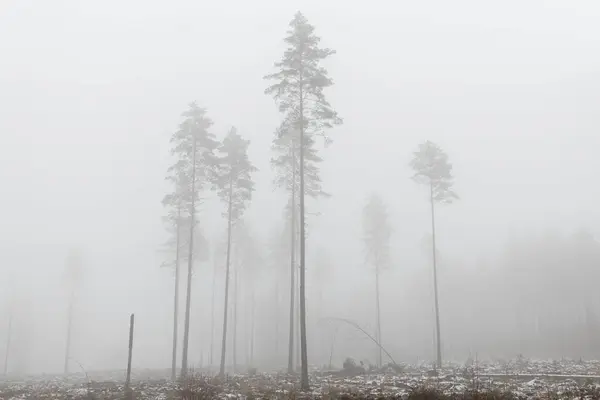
(212, 316)
(8, 337)
(186, 331)
(378, 333)
(253, 308)
(176, 297)
(247, 323)
(292, 263)
(297, 317)
(304, 383)
(227, 262)
(435, 284)
(276, 305)
(235, 315)
(69, 325)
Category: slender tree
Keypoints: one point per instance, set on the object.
(73, 278)
(175, 221)
(298, 90)
(377, 232)
(234, 187)
(193, 147)
(432, 168)
(235, 263)
(218, 258)
(176, 248)
(286, 164)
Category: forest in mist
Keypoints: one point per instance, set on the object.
(93, 106)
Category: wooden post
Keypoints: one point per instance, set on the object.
(128, 379)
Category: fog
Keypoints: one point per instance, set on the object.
(90, 93)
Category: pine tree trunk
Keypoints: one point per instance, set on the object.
(253, 309)
(304, 383)
(235, 315)
(297, 326)
(8, 337)
(186, 331)
(378, 333)
(276, 305)
(227, 263)
(435, 284)
(176, 297)
(247, 333)
(69, 325)
(292, 263)
(212, 316)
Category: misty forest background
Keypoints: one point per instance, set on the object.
(85, 146)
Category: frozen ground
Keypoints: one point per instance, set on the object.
(521, 378)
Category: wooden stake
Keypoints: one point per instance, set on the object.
(128, 380)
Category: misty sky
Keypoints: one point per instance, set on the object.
(90, 92)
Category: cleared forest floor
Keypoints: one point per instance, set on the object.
(516, 379)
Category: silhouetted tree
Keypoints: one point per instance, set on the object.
(377, 232)
(298, 91)
(286, 165)
(176, 247)
(432, 168)
(73, 278)
(175, 221)
(219, 255)
(235, 187)
(193, 147)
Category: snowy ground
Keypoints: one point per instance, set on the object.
(522, 378)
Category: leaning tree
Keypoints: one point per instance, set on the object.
(432, 169)
(234, 186)
(298, 90)
(193, 146)
(377, 232)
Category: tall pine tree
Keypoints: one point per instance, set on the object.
(432, 169)
(286, 164)
(234, 187)
(176, 248)
(193, 147)
(298, 90)
(175, 221)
